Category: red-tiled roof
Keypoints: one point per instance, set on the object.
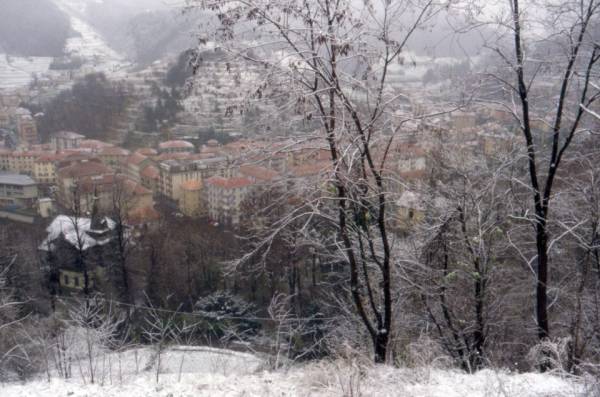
(310, 169)
(84, 168)
(131, 187)
(258, 172)
(150, 172)
(48, 158)
(136, 158)
(146, 151)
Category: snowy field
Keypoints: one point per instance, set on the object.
(198, 371)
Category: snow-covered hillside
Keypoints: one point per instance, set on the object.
(197, 371)
(86, 42)
(17, 71)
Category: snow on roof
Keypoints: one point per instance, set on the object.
(75, 231)
(16, 179)
(175, 144)
(94, 144)
(68, 135)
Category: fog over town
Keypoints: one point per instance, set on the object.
(299, 198)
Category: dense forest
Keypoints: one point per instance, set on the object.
(92, 106)
(32, 28)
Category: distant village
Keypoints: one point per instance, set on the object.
(71, 185)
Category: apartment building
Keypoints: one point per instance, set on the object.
(173, 173)
(224, 197)
(21, 162)
(69, 179)
(64, 140)
(192, 202)
(44, 169)
(113, 157)
(134, 164)
(19, 190)
(27, 130)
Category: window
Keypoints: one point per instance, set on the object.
(66, 279)
(77, 281)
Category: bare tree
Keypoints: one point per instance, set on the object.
(552, 58)
(160, 329)
(99, 322)
(122, 203)
(463, 247)
(329, 62)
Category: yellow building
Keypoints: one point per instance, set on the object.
(173, 173)
(22, 162)
(114, 156)
(44, 169)
(191, 200)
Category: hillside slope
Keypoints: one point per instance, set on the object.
(32, 28)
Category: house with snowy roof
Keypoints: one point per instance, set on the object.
(79, 252)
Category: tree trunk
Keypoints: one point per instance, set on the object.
(381, 344)
(542, 280)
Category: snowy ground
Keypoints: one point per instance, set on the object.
(216, 372)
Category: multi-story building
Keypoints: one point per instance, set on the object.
(175, 172)
(66, 140)
(224, 197)
(94, 144)
(70, 177)
(134, 164)
(150, 178)
(192, 203)
(113, 156)
(27, 130)
(44, 169)
(17, 190)
(111, 190)
(21, 162)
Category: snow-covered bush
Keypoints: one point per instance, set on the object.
(226, 316)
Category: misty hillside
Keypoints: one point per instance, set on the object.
(32, 28)
(146, 31)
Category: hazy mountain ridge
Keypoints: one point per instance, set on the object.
(144, 30)
(33, 28)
